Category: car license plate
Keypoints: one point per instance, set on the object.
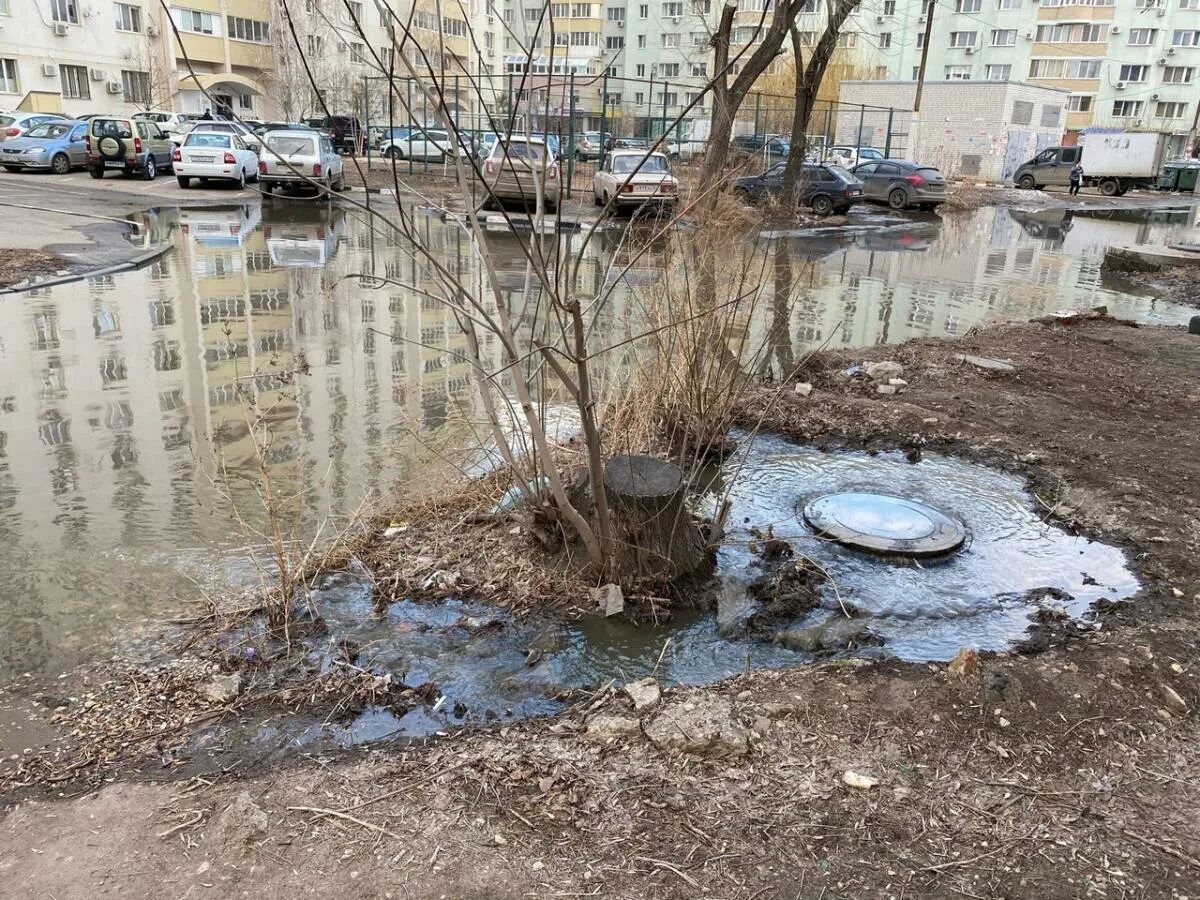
(856, 193)
(643, 189)
(202, 159)
(114, 164)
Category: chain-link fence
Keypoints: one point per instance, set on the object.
(580, 115)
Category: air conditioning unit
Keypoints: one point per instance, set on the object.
(970, 50)
(620, 23)
(920, 20)
(114, 87)
(1154, 96)
(879, 19)
(675, 19)
(1170, 51)
(1120, 85)
(491, 20)
(61, 29)
(1116, 29)
(152, 30)
(1028, 35)
(97, 74)
(49, 70)
(1162, 61)
(1161, 12)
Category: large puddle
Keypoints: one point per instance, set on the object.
(118, 404)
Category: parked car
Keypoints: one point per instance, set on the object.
(15, 124)
(588, 145)
(215, 155)
(57, 145)
(515, 168)
(901, 184)
(770, 147)
(127, 145)
(263, 127)
(826, 189)
(849, 157)
(423, 144)
(296, 159)
(222, 125)
(630, 180)
(165, 120)
(346, 132)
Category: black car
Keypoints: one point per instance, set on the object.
(901, 184)
(824, 188)
(346, 132)
(770, 146)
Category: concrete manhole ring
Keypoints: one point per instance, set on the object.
(884, 524)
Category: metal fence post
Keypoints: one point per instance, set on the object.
(603, 115)
(828, 130)
(757, 105)
(570, 130)
(408, 107)
(862, 112)
(666, 88)
(367, 117)
(887, 144)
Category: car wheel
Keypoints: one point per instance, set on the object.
(821, 205)
(1109, 187)
(596, 199)
(61, 164)
(183, 180)
(268, 190)
(898, 199)
(1027, 183)
(96, 171)
(241, 179)
(393, 153)
(12, 168)
(151, 169)
(340, 184)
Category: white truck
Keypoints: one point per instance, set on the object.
(1114, 163)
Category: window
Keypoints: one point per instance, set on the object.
(968, 6)
(916, 73)
(885, 40)
(1185, 39)
(1183, 4)
(137, 87)
(699, 39)
(560, 10)
(1064, 68)
(612, 99)
(196, 22)
(998, 73)
(614, 42)
(958, 73)
(355, 11)
(845, 40)
(1142, 37)
(1126, 109)
(1177, 75)
(8, 76)
(644, 11)
(641, 71)
(1080, 103)
(489, 42)
(700, 70)
(615, 14)
(1008, 4)
(1165, 110)
(669, 70)
(4, 10)
(674, 8)
(129, 18)
(920, 40)
(963, 38)
(457, 27)
(245, 101)
(1072, 33)
(641, 42)
(1051, 115)
(639, 98)
(670, 40)
(808, 39)
(358, 53)
(583, 11)
(889, 7)
(743, 34)
(1006, 37)
(1132, 73)
(531, 15)
(250, 30)
(64, 11)
(75, 82)
(1022, 112)
(315, 44)
(668, 98)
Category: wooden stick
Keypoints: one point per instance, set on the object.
(340, 815)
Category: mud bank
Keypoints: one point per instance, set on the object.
(1063, 774)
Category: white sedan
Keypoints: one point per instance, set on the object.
(211, 154)
(431, 145)
(630, 179)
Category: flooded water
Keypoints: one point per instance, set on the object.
(124, 445)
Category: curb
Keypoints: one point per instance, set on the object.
(136, 262)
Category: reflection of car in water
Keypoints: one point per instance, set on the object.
(220, 226)
(300, 236)
(917, 237)
(632, 258)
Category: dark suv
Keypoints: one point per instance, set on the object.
(346, 132)
(824, 188)
(771, 146)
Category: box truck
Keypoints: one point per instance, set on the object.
(1114, 163)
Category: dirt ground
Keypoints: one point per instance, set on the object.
(18, 265)
(1066, 774)
(1180, 284)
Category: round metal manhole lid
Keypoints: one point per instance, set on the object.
(884, 524)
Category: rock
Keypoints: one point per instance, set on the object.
(1171, 698)
(243, 821)
(803, 388)
(887, 389)
(884, 371)
(704, 726)
(644, 693)
(964, 665)
(897, 382)
(1194, 325)
(858, 780)
(223, 688)
(830, 634)
(986, 364)
(609, 599)
(605, 728)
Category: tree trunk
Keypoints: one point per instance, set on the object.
(657, 539)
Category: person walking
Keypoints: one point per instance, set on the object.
(1076, 178)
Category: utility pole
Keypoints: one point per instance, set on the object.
(914, 127)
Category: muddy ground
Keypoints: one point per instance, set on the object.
(20, 265)
(1179, 284)
(1070, 773)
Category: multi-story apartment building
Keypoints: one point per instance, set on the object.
(86, 56)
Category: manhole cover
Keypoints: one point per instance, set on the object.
(884, 524)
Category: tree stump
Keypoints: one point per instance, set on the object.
(656, 537)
